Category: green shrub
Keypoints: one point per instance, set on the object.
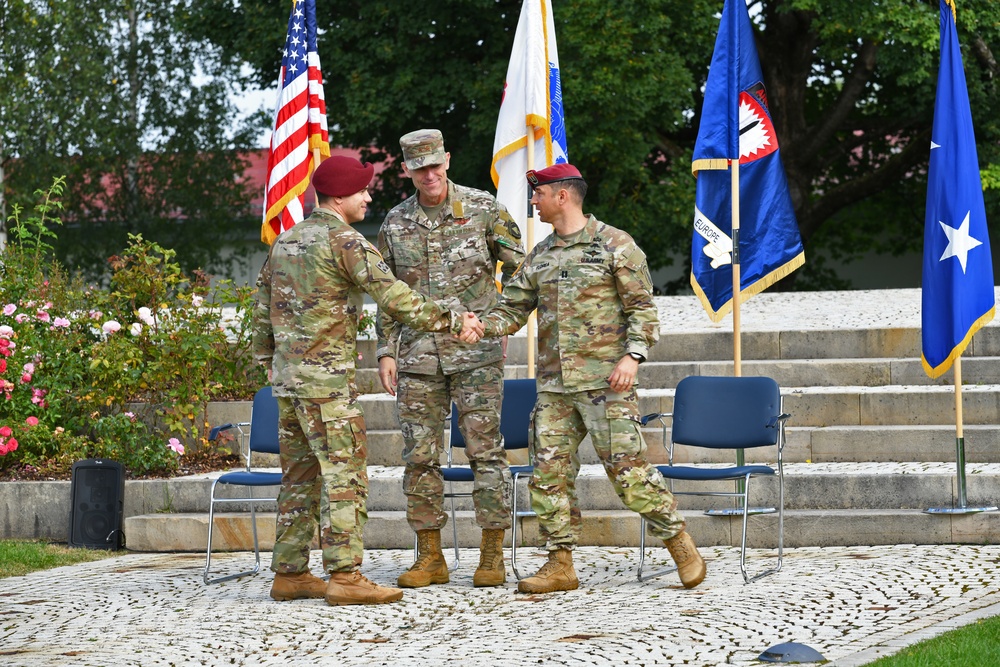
(74, 356)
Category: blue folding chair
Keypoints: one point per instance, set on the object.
(734, 413)
(515, 421)
(263, 439)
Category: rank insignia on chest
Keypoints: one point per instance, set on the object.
(458, 211)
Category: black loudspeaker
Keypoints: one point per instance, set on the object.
(97, 497)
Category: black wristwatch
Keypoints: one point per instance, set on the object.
(638, 357)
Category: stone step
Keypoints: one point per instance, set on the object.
(802, 528)
(811, 406)
(714, 342)
(813, 372)
(818, 444)
(897, 405)
(882, 485)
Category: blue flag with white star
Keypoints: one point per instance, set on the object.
(957, 283)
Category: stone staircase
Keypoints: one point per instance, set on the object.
(871, 440)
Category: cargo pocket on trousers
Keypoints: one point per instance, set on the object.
(624, 430)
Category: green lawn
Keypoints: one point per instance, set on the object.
(19, 557)
(975, 645)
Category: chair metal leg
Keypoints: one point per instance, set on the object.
(743, 548)
(642, 555)
(211, 525)
(514, 517)
(454, 531)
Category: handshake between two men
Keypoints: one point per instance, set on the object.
(472, 328)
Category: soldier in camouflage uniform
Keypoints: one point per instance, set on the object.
(445, 241)
(309, 299)
(596, 324)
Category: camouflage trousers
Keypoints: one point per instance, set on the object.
(561, 421)
(324, 481)
(423, 406)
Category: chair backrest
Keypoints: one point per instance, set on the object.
(726, 412)
(264, 422)
(515, 414)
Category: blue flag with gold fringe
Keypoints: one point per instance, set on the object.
(736, 125)
(957, 284)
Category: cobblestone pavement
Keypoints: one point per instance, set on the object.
(852, 604)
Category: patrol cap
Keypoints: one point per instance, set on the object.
(557, 172)
(422, 148)
(342, 176)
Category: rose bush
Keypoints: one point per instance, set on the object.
(74, 357)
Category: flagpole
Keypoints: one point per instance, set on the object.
(734, 170)
(962, 505)
(530, 332)
(317, 159)
(737, 348)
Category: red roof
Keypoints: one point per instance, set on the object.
(256, 174)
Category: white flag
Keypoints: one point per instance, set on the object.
(532, 96)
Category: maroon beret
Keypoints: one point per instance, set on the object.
(342, 176)
(557, 172)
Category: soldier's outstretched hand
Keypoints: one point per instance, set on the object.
(472, 328)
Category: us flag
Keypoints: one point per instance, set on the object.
(299, 135)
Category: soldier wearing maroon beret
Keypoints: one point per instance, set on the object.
(305, 326)
(596, 323)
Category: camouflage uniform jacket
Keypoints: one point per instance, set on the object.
(309, 298)
(595, 304)
(453, 260)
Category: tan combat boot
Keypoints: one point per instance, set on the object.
(690, 564)
(430, 567)
(556, 575)
(355, 588)
(491, 570)
(297, 586)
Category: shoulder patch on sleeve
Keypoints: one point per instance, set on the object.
(378, 270)
(507, 227)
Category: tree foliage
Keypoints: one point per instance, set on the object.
(123, 99)
(851, 86)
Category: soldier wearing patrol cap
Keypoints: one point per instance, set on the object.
(305, 322)
(446, 241)
(596, 324)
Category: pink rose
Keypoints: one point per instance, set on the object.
(176, 445)
(11, 445)
(5, 432)
(26, 378)
(31, 421)
(3, 365)
(9, 309)
(42, 315)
